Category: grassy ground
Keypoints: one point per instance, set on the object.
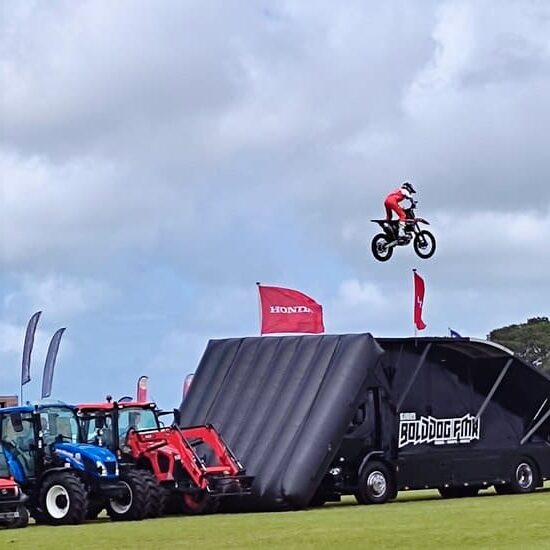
(416, 520)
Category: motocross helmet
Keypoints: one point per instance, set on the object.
(408, 187)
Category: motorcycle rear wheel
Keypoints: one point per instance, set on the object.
(380, 249)
(424, 244)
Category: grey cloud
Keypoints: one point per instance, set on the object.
(85, 74)
(198, 133)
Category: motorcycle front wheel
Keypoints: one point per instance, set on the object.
(380, 249)
(424, 244)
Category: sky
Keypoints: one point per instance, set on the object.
(159, 158)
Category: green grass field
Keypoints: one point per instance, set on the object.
(416, 520)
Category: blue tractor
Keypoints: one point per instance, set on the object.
(66, 480)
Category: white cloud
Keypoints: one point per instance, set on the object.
(178, 353)
(60, 298)
(11, 338)
(355, 293)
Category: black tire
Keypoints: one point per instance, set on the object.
(524, 477)
(458, 492)
(63, 499)
(376, 484)
(95, 506)
(18, 522)
(38, 516)
(134, 505)
(380, 249)
(172, 502)
(200, 503)
(157, 494)
(424, 244)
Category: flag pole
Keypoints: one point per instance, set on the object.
(259, 307)
(414, 304)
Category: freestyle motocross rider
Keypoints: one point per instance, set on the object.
(392, 204)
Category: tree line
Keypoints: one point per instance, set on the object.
(530, 340)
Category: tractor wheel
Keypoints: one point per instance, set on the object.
(201, 503)
(156, 495)
(133, 506)
(63, 499)
(18, 522)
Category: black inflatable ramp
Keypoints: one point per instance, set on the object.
(283, 405)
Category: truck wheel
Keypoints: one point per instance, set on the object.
(157, 494)
(524, 478)
(200, 503)
(63, 499)
(133, 505)
(376, 484)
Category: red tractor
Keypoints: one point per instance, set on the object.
(193, 467)
(13, 513)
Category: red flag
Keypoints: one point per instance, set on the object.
(419, 289)
(141, 396)
(286, 310)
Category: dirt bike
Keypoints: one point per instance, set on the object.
(382, 244)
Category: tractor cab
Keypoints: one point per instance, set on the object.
(20, 442)
(109, 424)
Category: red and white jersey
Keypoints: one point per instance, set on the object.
(399, 195)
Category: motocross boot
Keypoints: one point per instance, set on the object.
(402, 238)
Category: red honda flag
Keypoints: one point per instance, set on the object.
(287, 310)
(419, 289)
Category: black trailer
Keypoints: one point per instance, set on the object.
(283, 405)
(455, 414)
